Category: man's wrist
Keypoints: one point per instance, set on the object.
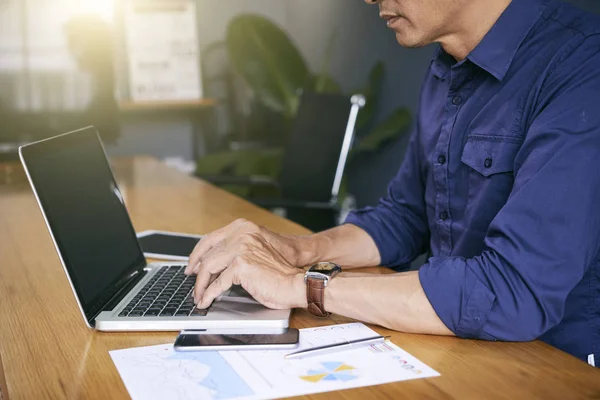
(299, 291)
(307, 250)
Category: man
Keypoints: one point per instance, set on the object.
(501, 183)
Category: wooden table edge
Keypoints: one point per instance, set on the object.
(175, 105)
(3, 384)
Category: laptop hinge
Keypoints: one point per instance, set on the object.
(112, 302)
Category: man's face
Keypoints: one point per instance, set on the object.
(420, 22)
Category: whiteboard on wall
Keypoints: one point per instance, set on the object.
(162, 50)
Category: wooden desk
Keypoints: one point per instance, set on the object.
(47, 351)
(3, 386)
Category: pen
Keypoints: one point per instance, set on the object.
(348, 344)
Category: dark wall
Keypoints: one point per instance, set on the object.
(588, 5)
(369, 176)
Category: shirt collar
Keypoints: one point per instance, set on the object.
(498, 47)
(441, 63)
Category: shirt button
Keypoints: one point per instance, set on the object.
(456, 100)
(444, 215)
(488, 162)
(442, 159)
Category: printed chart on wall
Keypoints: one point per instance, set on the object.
(158, 372)
(162, 50)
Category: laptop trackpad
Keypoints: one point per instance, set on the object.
(237, 294)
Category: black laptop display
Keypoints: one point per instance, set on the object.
(75, 186)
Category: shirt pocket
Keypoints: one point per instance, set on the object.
(489, 155)
(489, 176)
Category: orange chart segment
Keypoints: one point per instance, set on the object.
(313, 378)
(344, 368)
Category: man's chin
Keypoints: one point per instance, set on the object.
(409, 41)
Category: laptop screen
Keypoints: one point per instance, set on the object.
(85, 212)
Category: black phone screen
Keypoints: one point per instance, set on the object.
(291, 336)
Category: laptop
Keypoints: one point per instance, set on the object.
(115, 288)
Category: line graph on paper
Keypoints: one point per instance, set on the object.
(165, 374)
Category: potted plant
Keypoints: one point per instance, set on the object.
(266, 59)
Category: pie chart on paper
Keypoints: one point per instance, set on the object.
(331, 371)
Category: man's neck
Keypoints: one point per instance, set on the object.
(473, 24)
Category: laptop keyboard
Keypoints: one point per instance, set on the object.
(167, 294)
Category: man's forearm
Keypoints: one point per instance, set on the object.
(394, 301)
(347, 245)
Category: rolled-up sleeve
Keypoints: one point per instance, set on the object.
(542, 242)
(398, 225)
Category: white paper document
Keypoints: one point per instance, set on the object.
(162, 50)
(158, 372)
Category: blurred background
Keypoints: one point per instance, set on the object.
(213, 88)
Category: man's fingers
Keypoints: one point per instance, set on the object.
(212, 239)
(204, 245)
(208, 242)
(214, 262)
(202, 281)
(219, 285)
(217, 258)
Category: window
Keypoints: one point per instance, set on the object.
(40, 63)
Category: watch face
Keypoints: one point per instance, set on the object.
(325, 268)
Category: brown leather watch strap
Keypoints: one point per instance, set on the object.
(315, 294)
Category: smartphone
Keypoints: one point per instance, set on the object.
(171, 246)
(200, 341)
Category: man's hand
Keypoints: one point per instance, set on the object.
(255, 265)
(227, 241)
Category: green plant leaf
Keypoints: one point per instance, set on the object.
(265, 56)
(241, 163)
(324, 84)
(217, 163)
(371, 93)
(393, 127)
(324, 79)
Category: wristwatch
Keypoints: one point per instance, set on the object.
(316, 278)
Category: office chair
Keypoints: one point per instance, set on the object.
(313, 163)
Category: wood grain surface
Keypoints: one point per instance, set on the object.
(48, 353)
(3, 389)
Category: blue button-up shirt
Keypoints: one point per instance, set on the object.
(501, 183)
